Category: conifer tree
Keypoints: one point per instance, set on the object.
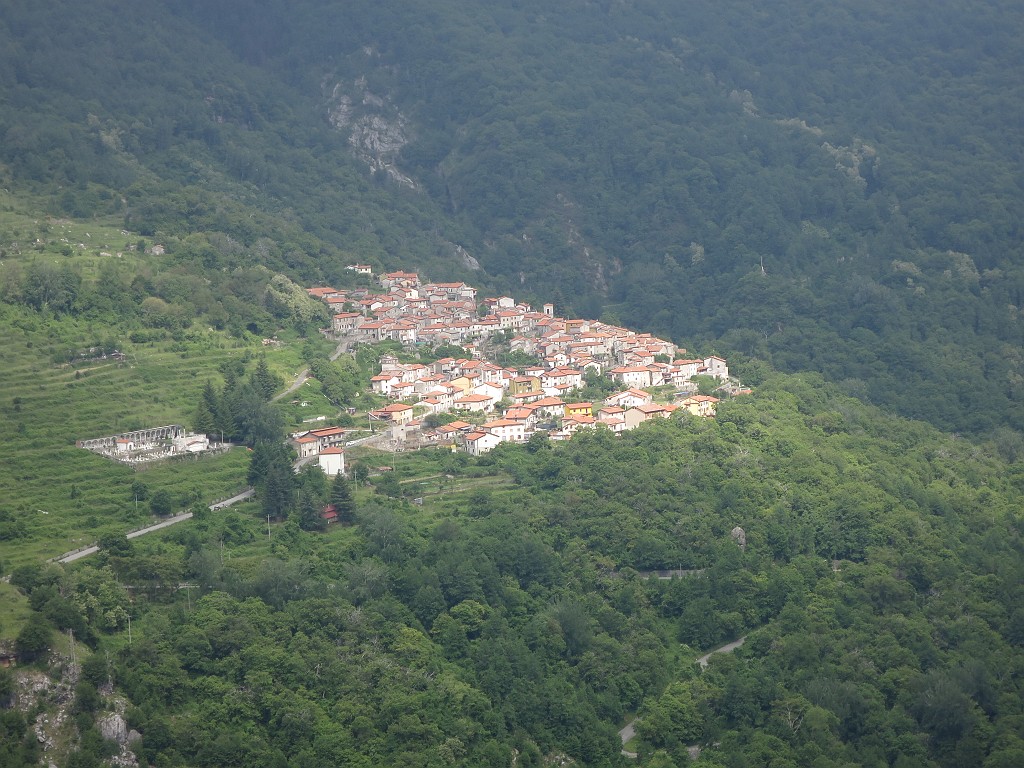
(307, 514)
(203, 421)
(341, 498)
(224, 417)
(208, 418)
(266, 382)
(211, 400)
(277, 490)
(259, 462)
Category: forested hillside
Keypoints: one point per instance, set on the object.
(878, 584)
(827, 193)
(822, 186)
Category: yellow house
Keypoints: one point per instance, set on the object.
(399, 413)
(700, 405)
(463, 383)
(521, 385)
(579, 409)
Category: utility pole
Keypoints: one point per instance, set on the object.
(129, 630)
(268, 526)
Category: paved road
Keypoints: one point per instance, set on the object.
(303, 377)
(626, 734)
(727, 648)
(71, 557)
(79, 554)
(246, 494)
(174, 520)
(344, 345)
(629, 731)
(676, 573)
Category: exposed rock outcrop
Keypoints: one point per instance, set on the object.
(467, 261)
(113, 727)
(853, 160)
(377, 130)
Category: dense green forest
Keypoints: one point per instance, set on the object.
(821, 186)
(827, 193)
(878, 585)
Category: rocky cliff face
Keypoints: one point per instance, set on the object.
(377, 130)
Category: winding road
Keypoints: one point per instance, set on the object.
(629, 731)
(727, 648)
(303, 377)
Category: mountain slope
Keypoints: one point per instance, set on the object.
(507, 620)
(819, 186)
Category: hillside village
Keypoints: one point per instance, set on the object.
(494, 403)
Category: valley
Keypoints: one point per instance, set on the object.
(547, 350)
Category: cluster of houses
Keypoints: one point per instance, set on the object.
(512, 402)
(326, 444)
(518, 423)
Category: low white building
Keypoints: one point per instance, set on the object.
(480, 442)
(383, 383)
(332, 461)
(506, 430)
(632, 376)
(631, 398)
(473, 403)
(684, 370)
(191, 443)
(494, 392)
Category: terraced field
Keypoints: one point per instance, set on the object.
(65, 496)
